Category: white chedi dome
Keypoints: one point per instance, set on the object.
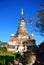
(12, 34)
(32, 34)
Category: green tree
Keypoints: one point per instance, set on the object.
(40, 23)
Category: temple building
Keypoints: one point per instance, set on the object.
(21, 42)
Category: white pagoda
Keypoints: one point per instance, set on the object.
(21, 41)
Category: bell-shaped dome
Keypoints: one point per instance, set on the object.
(12, 34)
(32, 34)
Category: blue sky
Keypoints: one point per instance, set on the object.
(10, 12)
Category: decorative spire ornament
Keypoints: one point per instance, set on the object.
(22, 31)
(22, 12)
(22, 15)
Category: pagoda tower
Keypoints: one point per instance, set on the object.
(22, 31)
(21, 36)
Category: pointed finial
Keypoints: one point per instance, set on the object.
(22, 11)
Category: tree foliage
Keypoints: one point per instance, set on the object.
(41, 46)
(40, 16)
(39, 23)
